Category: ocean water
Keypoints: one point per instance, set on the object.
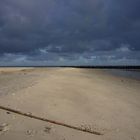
(133, 74)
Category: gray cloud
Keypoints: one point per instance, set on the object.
(69, 32)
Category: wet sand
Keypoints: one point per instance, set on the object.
(90, 99)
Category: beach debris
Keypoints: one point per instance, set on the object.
(47, 129)
(29, 113)
(92, 128)
(8, 112)
(86, 127)
(4, 127)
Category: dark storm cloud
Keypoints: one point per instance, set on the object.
(69, 31)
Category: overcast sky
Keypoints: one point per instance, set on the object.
(69, 32)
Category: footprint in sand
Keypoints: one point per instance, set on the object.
(4, 128)
(31, 132)
(47, 129)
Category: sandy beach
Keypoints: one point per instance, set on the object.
(86, 98)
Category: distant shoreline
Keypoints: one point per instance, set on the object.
(136, 68)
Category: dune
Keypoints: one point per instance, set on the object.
(86, 98)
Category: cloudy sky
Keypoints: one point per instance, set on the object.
(69, 32)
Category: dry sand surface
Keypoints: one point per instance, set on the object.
(90, 99)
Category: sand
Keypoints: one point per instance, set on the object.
(91, 99)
